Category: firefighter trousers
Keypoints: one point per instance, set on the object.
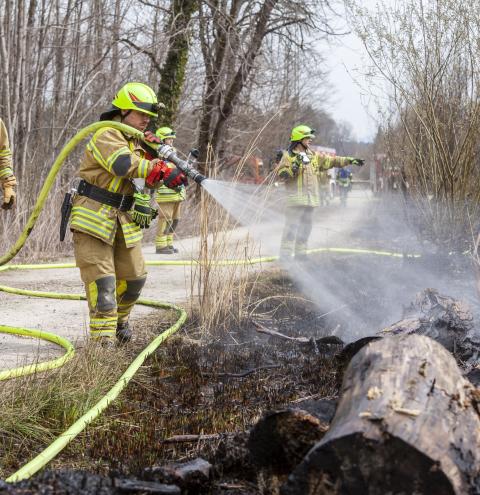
(297, 230)
(168, 217)
(113, 276)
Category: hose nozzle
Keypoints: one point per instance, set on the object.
(168, 153)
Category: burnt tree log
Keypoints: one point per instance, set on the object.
(280, 439)
(407, 422)
(445, 320)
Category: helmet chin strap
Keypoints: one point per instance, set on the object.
(124, 115)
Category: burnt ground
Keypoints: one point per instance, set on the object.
(222, 387)
(190, 388)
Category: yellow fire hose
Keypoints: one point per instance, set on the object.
(66, 437)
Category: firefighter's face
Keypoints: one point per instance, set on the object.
(136, 119)
(307, 142)
(168, 141)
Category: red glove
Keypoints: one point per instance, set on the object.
(150, 137)
(157, 174)
(174, 177)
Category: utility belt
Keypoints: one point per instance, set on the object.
(120, 201)
(138, 204)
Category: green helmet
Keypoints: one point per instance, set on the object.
(301, 132)
(137, 96)
(165, 133)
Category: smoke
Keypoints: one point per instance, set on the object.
(373, 291)
(362, 293)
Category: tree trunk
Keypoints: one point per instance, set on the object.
(172, 75)
(243, 72)
(407, 422)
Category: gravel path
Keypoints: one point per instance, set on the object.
(168, 283)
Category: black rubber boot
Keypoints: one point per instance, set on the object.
(124, 332)
(163, 250)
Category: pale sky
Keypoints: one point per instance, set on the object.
(346, 58)
(350, 102)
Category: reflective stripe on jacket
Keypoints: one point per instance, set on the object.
(5, 153)
(110, 160)
(303, 186)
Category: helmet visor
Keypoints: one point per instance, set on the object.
(310, 133)
(148, 107)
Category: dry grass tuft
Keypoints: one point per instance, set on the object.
(37, 408)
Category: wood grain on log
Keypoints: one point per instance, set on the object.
(407, 422)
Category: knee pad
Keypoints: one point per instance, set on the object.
(101, 294)
(129, 290)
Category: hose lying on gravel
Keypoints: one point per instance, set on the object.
(66, 437)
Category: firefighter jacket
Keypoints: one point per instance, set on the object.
(165, 194)
(323, 178)
(345, 179)
(5, 153)
(302, 171)
(111, 159)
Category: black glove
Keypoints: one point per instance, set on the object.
(360, 162)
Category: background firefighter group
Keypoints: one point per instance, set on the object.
(109, 210)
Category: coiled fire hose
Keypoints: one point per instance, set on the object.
(66, 437)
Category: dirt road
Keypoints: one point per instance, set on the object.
(167, 283)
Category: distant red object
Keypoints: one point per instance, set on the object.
(324, 150)
(249, 170)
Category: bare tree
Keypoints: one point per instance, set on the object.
(428, 53)
(232, 35)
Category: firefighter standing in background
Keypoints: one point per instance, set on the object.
(300, 168)
(169, 202)
(107, 240)
(344, 184)
(332, 182)
(324, 188)
(7, 178)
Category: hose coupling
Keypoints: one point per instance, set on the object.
(168, 153)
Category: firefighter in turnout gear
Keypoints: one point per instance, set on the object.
(300, 169)
(169, 202)
(107, 241)
(7, 178)
(344, 184)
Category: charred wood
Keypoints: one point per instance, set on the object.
(407, 422)
(442, 318)
(280, 439)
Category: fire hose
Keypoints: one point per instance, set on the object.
(76, 428)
